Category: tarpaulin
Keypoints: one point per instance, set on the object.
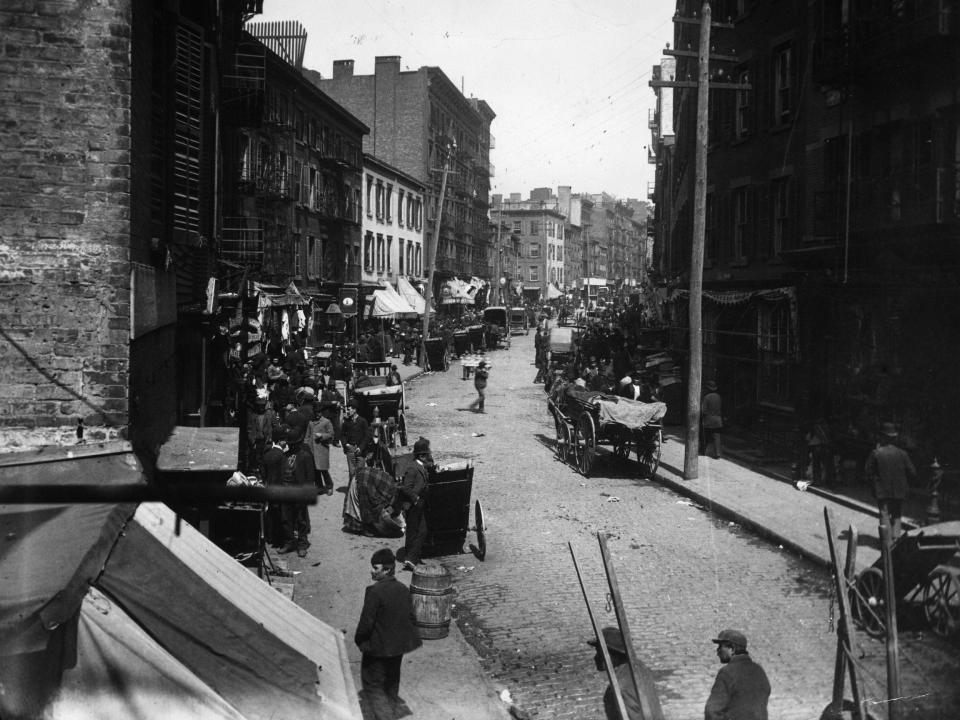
(632, 413)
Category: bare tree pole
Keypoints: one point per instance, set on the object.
(432, 256)
(695, 368)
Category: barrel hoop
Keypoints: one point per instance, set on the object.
(428, 591)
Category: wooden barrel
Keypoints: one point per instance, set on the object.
(432, 597)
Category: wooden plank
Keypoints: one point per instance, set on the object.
(642, 677)
(614, 683)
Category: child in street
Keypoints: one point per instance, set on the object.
(480, 383)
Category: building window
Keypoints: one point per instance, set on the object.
(313, 257)
(400, 208)
(389, 257)
(388, 203)
(400, 264)
(297, 249)
(743, 106)
(534, 275)
(380, 198)
(781, 214)
(369, 196)
(534, 250)
(781, 85)
(518, 226)
(419, 261)
(741, 222)
(379, 253)
(777, 349)
(534, 227)
(368, 252)
(313, 197)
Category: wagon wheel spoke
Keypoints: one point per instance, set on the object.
(586, 444)
(941, 603)
(868, 601)
(481, 530)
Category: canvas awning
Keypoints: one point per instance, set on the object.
(385, 305)
(272, 296)
(413, 298)
(398, 299)
(107, 612)
(553, 292)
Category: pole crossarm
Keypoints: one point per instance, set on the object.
(697, 21)
(693, 54)
(714, 85)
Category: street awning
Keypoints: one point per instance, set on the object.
(456, 292)
(413, 298)
(553, 292)
(395, 297)
(273, 296)
(385, 305)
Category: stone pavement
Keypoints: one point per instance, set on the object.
(443, 680)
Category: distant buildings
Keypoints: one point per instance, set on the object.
(418, 120)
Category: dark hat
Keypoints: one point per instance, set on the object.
(295, 434)
(352, 402)
(711, 385)
(482, 363)
(279, 434)
(613, 639)
(888, 429)
(734, 637)
(421, 446)
(383, 556)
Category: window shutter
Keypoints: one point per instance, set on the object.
(187, 130)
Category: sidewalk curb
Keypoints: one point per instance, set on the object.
(728, 512)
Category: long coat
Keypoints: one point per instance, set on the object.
(321, 434)
(386, 627)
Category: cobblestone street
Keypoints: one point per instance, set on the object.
(684, 574)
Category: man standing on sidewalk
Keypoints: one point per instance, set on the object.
(741, 689)
(890, 470)
(411, 494)
(711, 419)
(385, 632)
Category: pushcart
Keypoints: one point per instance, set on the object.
(518, 321)
(477, 337)
(381, 405)
(563, 346)
(925, 572)
(585, 420)
(461, 343)
(498, 327)
(447, 508)
(438, 358)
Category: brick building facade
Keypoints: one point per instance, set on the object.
(831, 217)
(416, 118)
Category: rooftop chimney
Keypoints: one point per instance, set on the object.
(342, 69)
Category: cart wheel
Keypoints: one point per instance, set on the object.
(586, 444)
(481, 529)
(867, 602)
(648, 452)
(621, 446)
(941, 603)
(563, 442)
(402, 430)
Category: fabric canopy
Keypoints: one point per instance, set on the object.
(413, 298)
(553, 292)
(385, 305)
(107, 612)
(457, 292)
(398, 300)
(268, 296)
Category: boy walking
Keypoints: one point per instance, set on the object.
(480, 384)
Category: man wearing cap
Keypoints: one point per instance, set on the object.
(411, 494)
(385, 632)
(741, 690)
(613, 639)
(480, 385)
(890, 470)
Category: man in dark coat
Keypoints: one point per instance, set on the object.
(741, 689)
(298, 471)
(385, 632)
(355, 433)
(890, 470)
(411, 494)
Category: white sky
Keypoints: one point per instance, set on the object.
(566, 78)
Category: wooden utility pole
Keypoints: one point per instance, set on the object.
(695, 313)
(890, 608)
(432, 254)
(498, 278)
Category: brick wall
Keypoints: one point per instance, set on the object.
(64, 220)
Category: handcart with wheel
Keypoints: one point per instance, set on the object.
(381, 405)
(498, 327)
(438, 358)
(925, 572)
(585, 420)
(448, 508)
(478, 337)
